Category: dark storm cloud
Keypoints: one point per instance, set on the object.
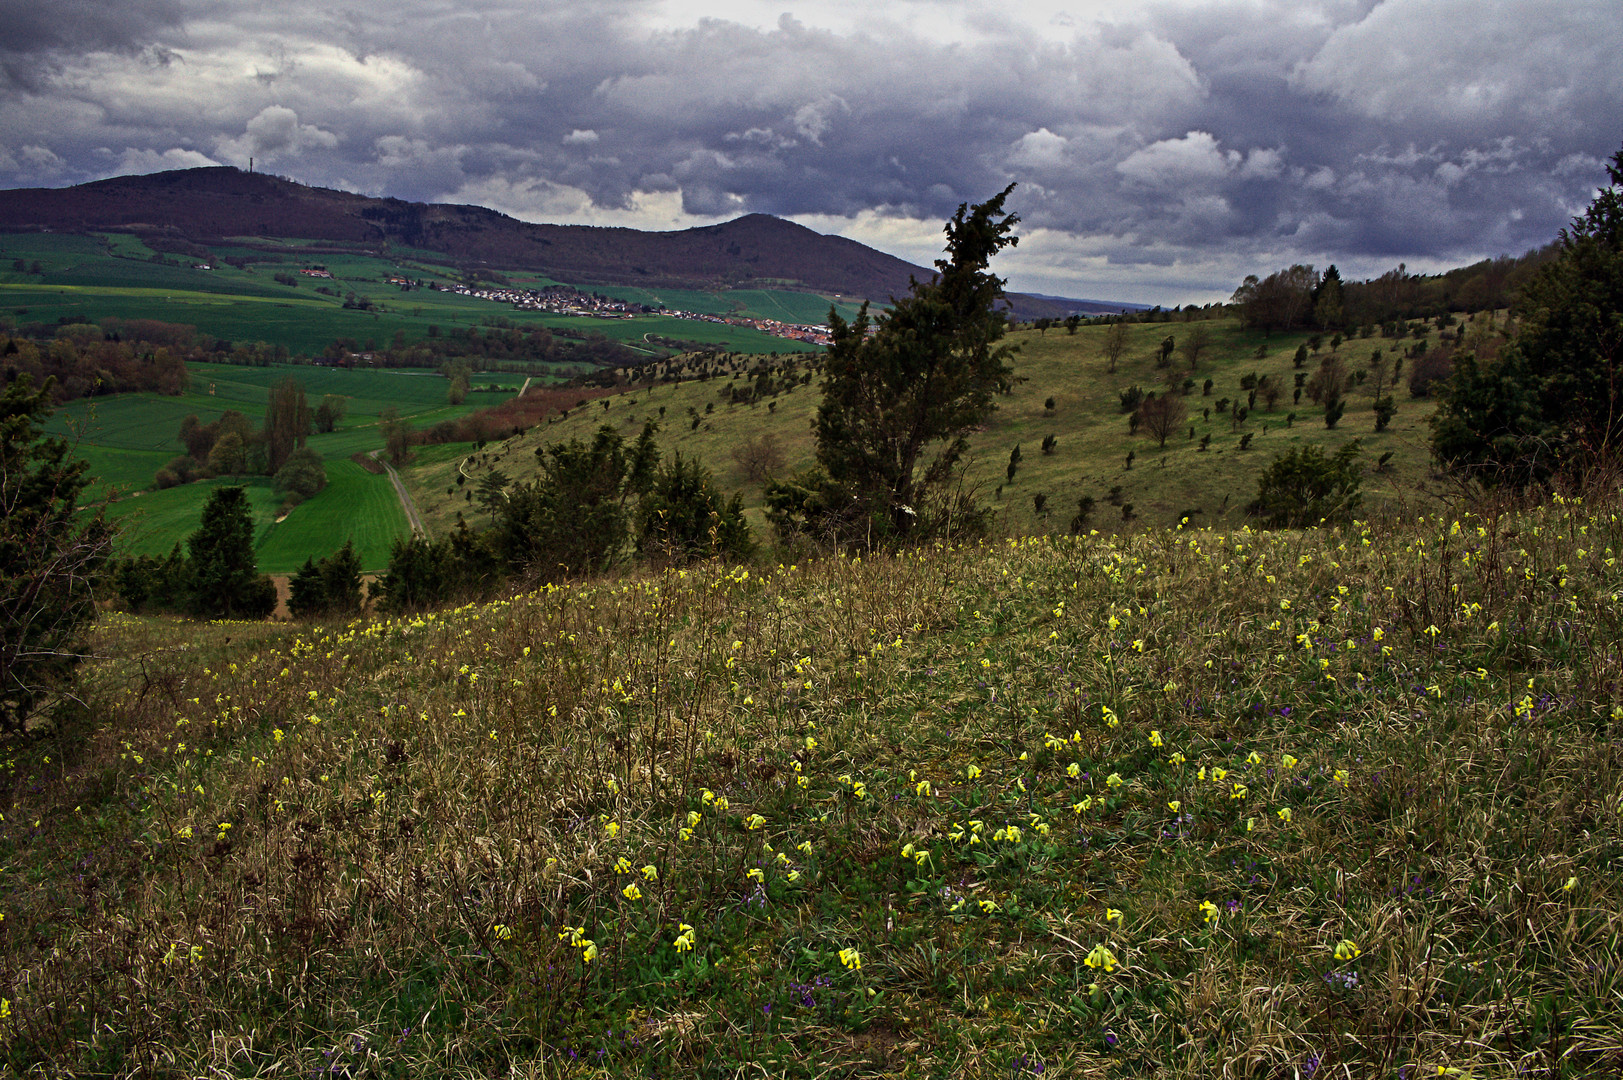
(1182, 145)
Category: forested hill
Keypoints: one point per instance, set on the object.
(209, 205)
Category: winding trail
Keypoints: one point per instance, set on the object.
(414, 519)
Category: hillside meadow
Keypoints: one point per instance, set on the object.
(1180, 803)
(1207, 476)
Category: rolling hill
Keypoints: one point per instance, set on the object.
(210, 205)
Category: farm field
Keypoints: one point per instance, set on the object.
(92, 277)
(1180, 804)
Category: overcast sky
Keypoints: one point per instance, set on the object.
(1163, 150)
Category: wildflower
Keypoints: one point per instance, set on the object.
(685, 833)
(1176, 758)
(754, 874)
(1155, 738)
(1250, 823)
(851, 959)
(225, 827)
(1109, 717)
(650, 872)
(1284, 814)
(708, 797)
(1101, 957)
(502, 931)
(622, 865)
(1085, 804)
(1174, 805)
(1073, 770)
(1013, 832)
(1253, 758)
(721, 802)
(1572, 883)
(804, 847)
(1347, 950)
(793, 876)
(631, 892)
(988, 906)
(1240, 791)
(611, 829)
(811, 743)
(907, 851)
(1219, 774)
(184, 832)
(1114, 780)
(973, 771)
(1342, 776)
(753, 822)
(922, 789)
(1113, 915)
(588, 951)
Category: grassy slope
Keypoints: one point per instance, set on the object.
(384, 848)
(1091, 430)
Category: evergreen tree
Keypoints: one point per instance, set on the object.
(225, 583)
(685, 517)
(899, 403)
(51, 556)
(1554, 397)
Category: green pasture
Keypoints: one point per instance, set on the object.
(355, 504)
(92, 277)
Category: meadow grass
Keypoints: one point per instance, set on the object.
(1181, 803)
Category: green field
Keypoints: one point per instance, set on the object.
(92, 277)
(355, 504)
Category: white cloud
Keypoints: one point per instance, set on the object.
(1040, 149)
(580, 137)
(275, 132)
(134, 162)
(1194, 158)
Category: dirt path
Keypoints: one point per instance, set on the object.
(412, 517)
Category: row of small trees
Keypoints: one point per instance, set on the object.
(592, 505)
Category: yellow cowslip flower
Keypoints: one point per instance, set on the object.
(754, 874)
(1342, 776)
(1283, 814)
(907, 851)
(1109, 716)
(1240, 791)
(1114, 780)
(1113, 915)
(611, 829)
(1208, 911)
(988, 906)
(811, 743)
(708, 797)
(1176, 758)
(1347, 950)
(502, 931)
(753, 822)
(1201, 775)
(804, 847)
(922, 789)
(650, 872)
(1253, 758)
(1013, 833)
(1250, 823)
(1052, 741)
(588, 951)
(1155, 738)
(622, 865)
(1101, 957)
(1174, 805)
(1219, 774)
(1572, 883)
(851, 959)
(1379, 634)
(184, 832)
(1287, 762)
